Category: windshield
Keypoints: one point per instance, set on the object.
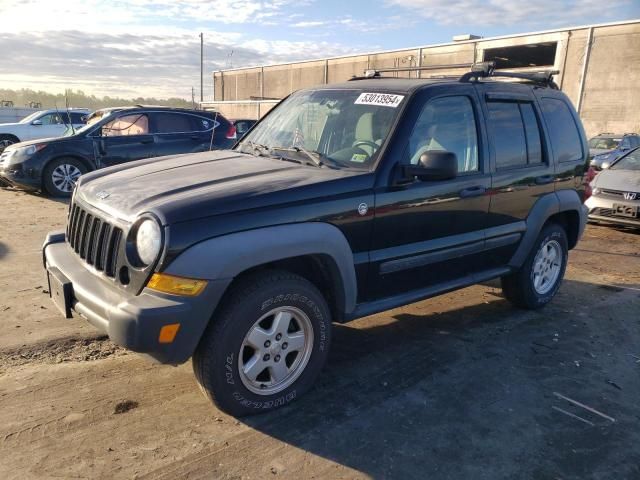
(629, 162)
(604, 143)
(31, 117)
(344, 128)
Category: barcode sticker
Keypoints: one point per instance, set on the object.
(380, 99)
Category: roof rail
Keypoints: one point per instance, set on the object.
(376, 73)
(488, 70)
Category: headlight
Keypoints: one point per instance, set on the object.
(148, 241)
(18, 153)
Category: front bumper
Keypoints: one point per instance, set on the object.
(133, 321)
(16, 176)
(601, 210)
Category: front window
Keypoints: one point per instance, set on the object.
(135, 124)
(604, 143)
(629, 162)
(342, 127)
(31, 118)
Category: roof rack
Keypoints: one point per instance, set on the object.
(488, 70)
(376, 73)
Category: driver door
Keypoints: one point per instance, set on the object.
(124, 139)
(431, 232)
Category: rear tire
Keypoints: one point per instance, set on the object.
(61, 175)
(538, 280)
(266, 346)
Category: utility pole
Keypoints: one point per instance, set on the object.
(193, 98)
(201, 67)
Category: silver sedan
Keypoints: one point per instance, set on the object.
(615, 196)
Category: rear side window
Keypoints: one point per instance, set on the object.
(516, 135)
(203, 124)
(77, 117)
(508, 134)
(565, 137)
(172, 123)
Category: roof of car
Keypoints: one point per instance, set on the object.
(615, 135)
(409, 85)
(405, 85)
(152, 107)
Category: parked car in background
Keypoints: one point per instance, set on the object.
(243, 126)
(606, 148)
(615, 192)
(112, 136)
(42, 124)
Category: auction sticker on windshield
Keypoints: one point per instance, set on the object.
(381, 99)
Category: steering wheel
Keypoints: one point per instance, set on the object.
(366, 142)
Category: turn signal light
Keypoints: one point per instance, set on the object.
(189, 287)
(168, 333)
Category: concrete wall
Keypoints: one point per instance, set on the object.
(241, 109)
(611, 99)
(608, 97)
(12, 115)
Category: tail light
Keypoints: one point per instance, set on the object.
(588, 177)
(232, 132)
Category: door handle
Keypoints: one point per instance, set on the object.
(544, 179)
(147, 140)
(476, 191)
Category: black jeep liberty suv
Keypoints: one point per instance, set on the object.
(344, 201)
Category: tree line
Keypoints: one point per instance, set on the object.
(79, 99)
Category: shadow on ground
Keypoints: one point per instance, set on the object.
(469, 393)
(3, 250)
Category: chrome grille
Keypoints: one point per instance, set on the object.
(95, 240)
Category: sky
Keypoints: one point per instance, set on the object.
(132, 48)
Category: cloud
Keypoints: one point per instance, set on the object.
(549, 13)
(132, 65)
(101, 15)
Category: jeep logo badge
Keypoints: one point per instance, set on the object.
(363, 209)
(630, 195)
(102, 194)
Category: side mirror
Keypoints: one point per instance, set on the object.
(102, 147)
(434, 165)
(36, 122)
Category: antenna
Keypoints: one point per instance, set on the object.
(213, 130)
(230, 59)
(66, 104)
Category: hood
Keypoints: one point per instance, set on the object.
(186, 187)
(622, 180)
(10, 125)
(26, 143)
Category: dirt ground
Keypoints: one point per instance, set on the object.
(462, 386)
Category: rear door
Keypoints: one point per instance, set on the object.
(178, 132)
(521, 164)
(431, 232)
(124, 139)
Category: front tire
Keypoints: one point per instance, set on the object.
(61, 175)
(267, 345)
(539, 278)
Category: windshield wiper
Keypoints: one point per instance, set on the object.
(314, 156)
(263, 149)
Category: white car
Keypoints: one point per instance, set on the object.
(42, 124)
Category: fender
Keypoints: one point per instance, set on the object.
(542, 210)
(87, 161)
(227, 256)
